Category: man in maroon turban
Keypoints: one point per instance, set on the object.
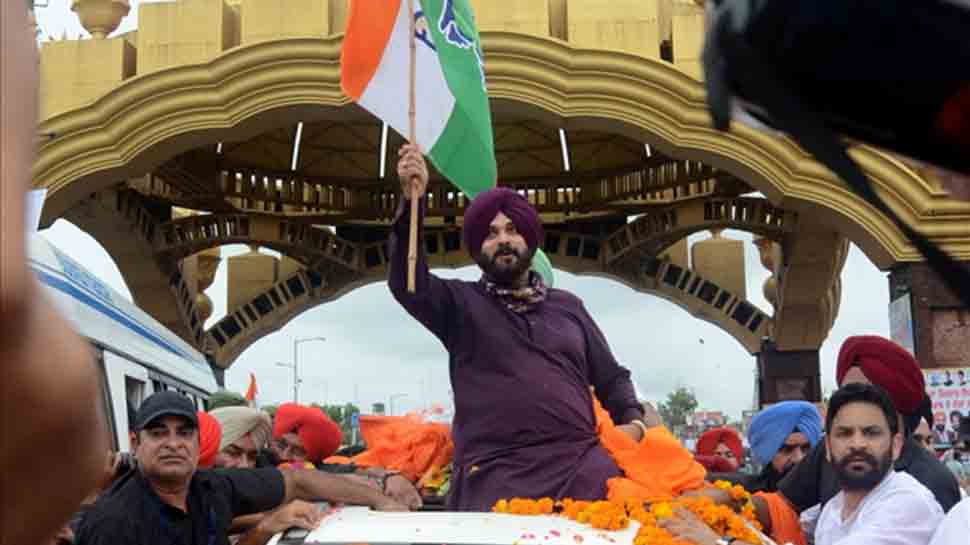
(522, 358)
(875, 360)
(870, 360)
(505, 262)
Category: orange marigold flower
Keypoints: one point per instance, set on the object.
(546, 506)
(616, 515)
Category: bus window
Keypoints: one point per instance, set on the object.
(134, 395)
(134, 391)
(109, 419)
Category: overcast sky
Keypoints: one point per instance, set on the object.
(374, 350)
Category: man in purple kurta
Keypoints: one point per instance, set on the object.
(522, 359)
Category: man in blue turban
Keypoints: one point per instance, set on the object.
(780, 437)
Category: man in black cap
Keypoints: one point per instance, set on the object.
(167, 500)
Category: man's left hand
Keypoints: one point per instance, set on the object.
(400, 488)
(297, 513)
(686, 526)
(632, 430)
(388, 503)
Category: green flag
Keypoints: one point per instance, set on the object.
(453, 117)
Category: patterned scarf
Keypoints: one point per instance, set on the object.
(518, 300)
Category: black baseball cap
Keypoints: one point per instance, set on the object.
(167, 403)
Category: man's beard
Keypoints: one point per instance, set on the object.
(505, 274)
(866, 481)
(779, 475)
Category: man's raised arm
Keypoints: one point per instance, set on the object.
(48, 371)
(323, 486)
(433, 303)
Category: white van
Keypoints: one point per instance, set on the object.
(136, 355)
(345, 525)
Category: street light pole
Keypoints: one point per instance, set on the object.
(296, 364)
(296, 378)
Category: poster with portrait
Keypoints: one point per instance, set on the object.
(949, 389)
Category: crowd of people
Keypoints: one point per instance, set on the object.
(229, 475)
(528, 365)
(842, 485)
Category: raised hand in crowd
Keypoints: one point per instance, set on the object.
(48, 371)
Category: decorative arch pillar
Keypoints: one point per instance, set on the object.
(928, 319)
(806, 291)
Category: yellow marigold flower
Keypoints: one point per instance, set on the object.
(662, 510)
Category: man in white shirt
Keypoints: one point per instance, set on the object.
(955, 527)
(876, 506)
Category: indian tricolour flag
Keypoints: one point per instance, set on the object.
(453, 120)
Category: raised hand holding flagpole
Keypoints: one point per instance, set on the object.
(388, 43)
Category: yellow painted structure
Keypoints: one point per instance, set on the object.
(144, 112)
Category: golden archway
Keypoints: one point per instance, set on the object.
(152, 118)
(257, 69)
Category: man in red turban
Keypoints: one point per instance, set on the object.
(304, 434)
(523, 357)
(210, 435)
(880, 361)
(715, 464)
(723, 443)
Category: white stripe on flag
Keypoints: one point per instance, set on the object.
(386, 95)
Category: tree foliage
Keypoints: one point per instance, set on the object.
(680, 404)
(343, 416)
(270, 410)
(226, 398)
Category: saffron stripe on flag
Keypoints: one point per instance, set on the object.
(369, 29)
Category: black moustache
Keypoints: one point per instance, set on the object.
(869, 459)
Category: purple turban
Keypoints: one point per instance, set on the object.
(487, 205)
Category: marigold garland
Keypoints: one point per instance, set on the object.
(612, 515)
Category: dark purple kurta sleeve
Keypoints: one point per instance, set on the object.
(433, 303)
(610, 379)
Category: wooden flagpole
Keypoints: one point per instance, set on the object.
(412, 134)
